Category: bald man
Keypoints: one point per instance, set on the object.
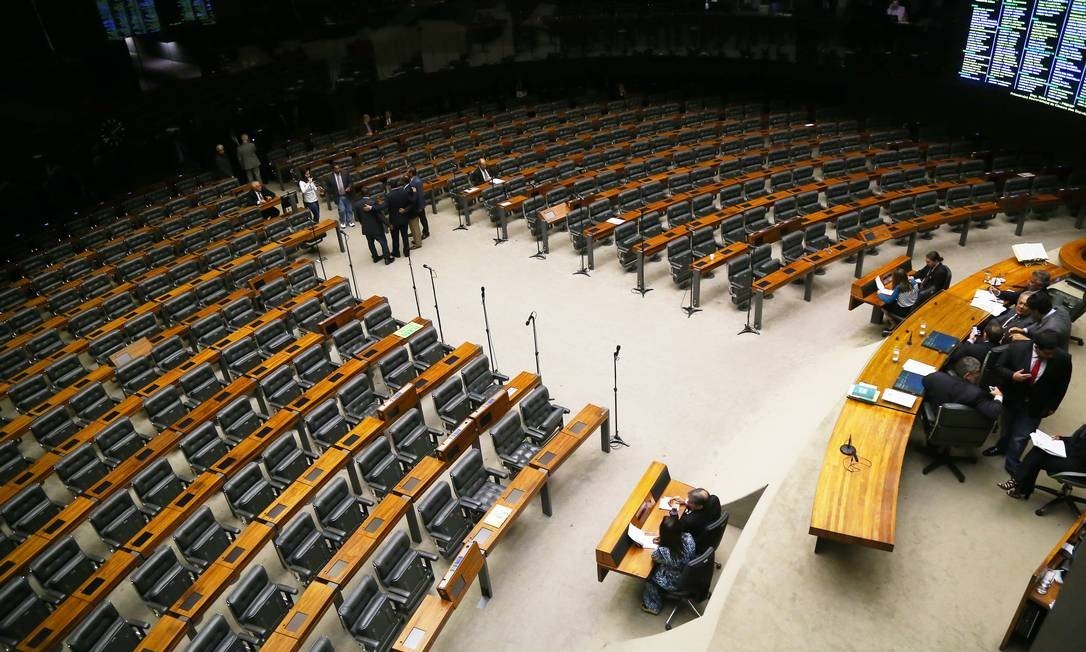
(700, 509)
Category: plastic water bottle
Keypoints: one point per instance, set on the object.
(923, 327)
(896, 355)
(1046, 581)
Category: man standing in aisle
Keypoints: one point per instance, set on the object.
(222, 163)
(400, 208)
(372, 219)
(338, 185)
(420, 201)
(248, 159)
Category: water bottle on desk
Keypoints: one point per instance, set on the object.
(895, 355)
(923, 327)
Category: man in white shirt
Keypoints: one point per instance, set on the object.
(339, 186)
(897, 10)
(480, 174)
(311, 193)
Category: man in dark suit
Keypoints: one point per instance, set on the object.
(420, 201)
(1017, 316)
(701, 509)
(1038, 460)
(1034, 378)
(257, 195)
(1038, 281)
(400, 209)
(933, 277)
(481, 174)
(1048, 318)
(940, 388)
(980, 346)
(338, 186)
(371, 218)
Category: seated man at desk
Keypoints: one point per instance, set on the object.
(1017, 316)
(481, 174)
(676, 548)
(1048, 318)
(979, 343)
(699, 510)
(1038, 281)
(933, 277)
(258, 194)
(940, 387)
(1038, 460)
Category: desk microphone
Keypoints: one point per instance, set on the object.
(910, 340)
(425, 266)
(618, 347)
(530, 319)
(848, 450)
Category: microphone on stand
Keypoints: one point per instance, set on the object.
(616, 439)
(530, 319)
(535, 342)
(848, 450)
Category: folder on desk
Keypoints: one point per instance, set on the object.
(941, 342)
(910, 382)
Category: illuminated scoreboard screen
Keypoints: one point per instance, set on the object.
(125, 18)
(1033, 48)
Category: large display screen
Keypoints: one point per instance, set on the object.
(124, 18)
(1033, 48)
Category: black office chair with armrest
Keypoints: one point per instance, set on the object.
(54, 427)
(380, 467)
(200, 384)
(65, 371)
(339, 512)
(370, 616)
(451, 402)
(201, 539)
(239, 312)
(248, 493)
(312, 365)
(217, 636)
(512, 443)
(1068, 481)
(405, 573)
(380, 322)
(28, 510)
(80, 469)
(325, 424)
(63, 568)
(106, 631)
(164, 407)
(28, 393)
(241, 356)
(284, 460)
(477, 486)
(444, 518)
(693, 587)
(157, 486)
(541, 417)
(339, 297)
(257, 603)
(273, 336)
(118, 520)
(280, 387)
(358, 399)
(12, 461)
(479, 381)
(162, 579)
(302, 548)
(238, 420)
(23, 611)
(134, 375)
(170, 353)
(397, 369)
(350, 339)
(413, 439)
(203, 447)
(308, 314)
(952, 425)
(90, 403)
(426, 348)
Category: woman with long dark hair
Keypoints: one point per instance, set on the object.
(676, 548)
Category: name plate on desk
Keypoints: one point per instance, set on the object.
(407, 330)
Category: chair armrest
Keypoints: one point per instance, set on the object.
(403, 459)
(449, 421)
(427, 555)
(188, 402)
(286, 588)
(140, 624)
(440, 537)
(502, 378)
(497, 473)
(435, 434)
(565, 410)
(397, 594)
(190, 568)
(248, 638)
(312, 457)
(231, 528)
(364, 501)
(95, 558)
(470, 503)
(53, 597)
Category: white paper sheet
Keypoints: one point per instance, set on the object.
(497, 515)
(898, 398)
(640, 538)
(1027, 251)
(496, 181)
(984, 300)
(616, 220)
(879, 284)
(1048, 444)
(918, 367)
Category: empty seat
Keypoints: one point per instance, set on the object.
(248, 493)
(755, 219)
(479, 381)
(412, 438)
(302, 548)
(91, 402)
(170, 353)
(216, 635)
(28, 510)
(312, 365)
(477, 486)
(308, 314)
(157, 486)
(303, 278)
(275, 257)
(208, 330)
(541, 418)
(280, 386)
(200, 383)
(118, 441)
(239, 312)
(274, 293)
(338, 511)
(202, 539)
(106, 631)
(44, 344)
(284, 461)
(237, 420)
(444, 518)
(12, 461)
(273, 336)
(339, 297)
(86, 321)
(62, 568)
(118, 519)
(23, 611)
(325, 424)
(136, 374)
(396, 368)
(762, 262)
(164, 407)
(792, 247)
(144, 325)
(426, 348)
(30, 392)
(80, 469)
(257, 603)
(848, 225)
(358, 398)
(203, 447)
(211, 291)
(370, 616)
(103, 347)
(161, 580)
(451, 402)
(380, 467)
(179, 308)
(13, 361)
(53, 428)
(241, 356)
(380, 322)
(511, 442)
(405, 573)
(350, 339)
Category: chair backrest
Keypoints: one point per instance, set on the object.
(81, 468)
(959, 425)
(53, 427)
(697, 575)
(312, 364)
(508, 433)
(237, 419)
(157, 484)
(216, 634)
(63, 567)
(164, 407)
(104, 630)
(468, 474)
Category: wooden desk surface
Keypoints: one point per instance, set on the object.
(558, 449)
(519, 492)
(306, 613)
(209, 408)
(207, 588)
(361, 435)
(858, 291)
(256, 442)
(856, 502)
(167, 633)
(98, 375)
(444, 368)
(122, 474)
(284, 356)
(245, 547)
(426, 623)
(349, 559)
(327, 386)
(1073, 257)
(162, 524)
(22, 556)
(420, 478)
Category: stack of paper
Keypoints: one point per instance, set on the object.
(641, 538)
(1029, 252)
(899, 398)
(918, 367)
(1048, 444)
(497, 515)
(496, 181)
(984, 300)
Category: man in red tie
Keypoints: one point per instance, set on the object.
(1033, 376)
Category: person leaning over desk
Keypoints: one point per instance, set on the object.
(675, 549)
(699, 511)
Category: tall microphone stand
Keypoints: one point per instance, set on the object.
(616, 440)
(433, 287)
(583, 271)
(415, 290)
(316, 246)
(489, 342)
(747, 328)
(535, 342)
(690, 310)
(539, 255)
(350, 261)
(460, 214)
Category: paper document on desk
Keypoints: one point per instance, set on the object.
(898, 398)
(987, 303)
(497, 515)
(615, 220)
(640, 538)
(879, 284)
(471, 189)
(496, 181)
(918, 367)
(1048, 444)
(1029, 251)
(665, 502)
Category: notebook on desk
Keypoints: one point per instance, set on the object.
(910, 382)
(941, 342)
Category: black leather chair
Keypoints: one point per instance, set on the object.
(203, 447)
(201, 539)
(209, 330)
(134, 375)
(325, 424)
(200, 384)
(217, 636)
(63, 568)
(303, 279)
(339, 297)
(302, 548)
(65, 371)
(118, 441)
(23, 611)
(511, 442)
(412, 438)
(693, 586)
(54, 427)
(170, 352)
(274, 293)
(396, 368)
(952, 425)
(238, 420)
(444, 518)
(312, 365)
(370, 616)
(44, 344)
(380, 467)
(338, 511)
(28, 510)
(28, 393)
(241, 356)
(157, 486)
(284, 461)
(257, 603)
(479, 381)
(106, 631)
(248, 493)
(118, 519)
(239, 312)
(541, 418)
(477, 486)
(426, 348)
(405, 573)
(350, 339)
(280, 387)
(90, 403)
(273, 336)
(451, 402)
(164, 407)
(308, 314)
(12, 461)
(358, 399)
(80, 469)
(162, 579)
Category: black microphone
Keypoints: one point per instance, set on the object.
(848, 450)
(425, 266)
(530, 319)
(618, 347)
(483, 291)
